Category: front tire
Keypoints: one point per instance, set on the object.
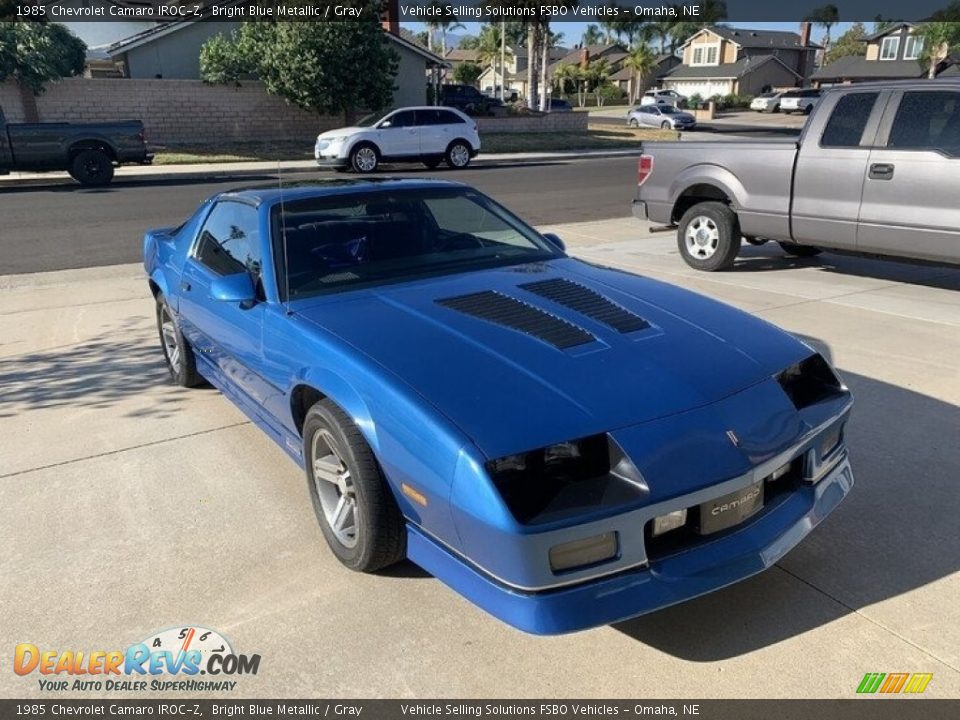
(799, 250)
(92, 168)
(364, 158)
(633, 123)
(355, 507)
(181, 362)
(458, 155)
(709, 236)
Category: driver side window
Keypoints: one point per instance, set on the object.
(230, 240)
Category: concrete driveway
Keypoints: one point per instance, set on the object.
(128, 505)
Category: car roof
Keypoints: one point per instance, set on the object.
(307, 189)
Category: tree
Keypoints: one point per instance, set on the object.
(326, 68)
(660, 30)
(597, 74)
(940, 41)
(563, 74)
(491, 50)
(34, 53)
(467, 73)
(591, 36)
(642, 62)
(826, 17)
(852, 42)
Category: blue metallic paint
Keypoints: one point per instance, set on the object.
(437, 394)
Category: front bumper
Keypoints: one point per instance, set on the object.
(744, 551)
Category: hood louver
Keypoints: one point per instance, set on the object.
(585, 301)
(517, 315)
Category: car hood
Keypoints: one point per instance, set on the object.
(340, 132)
(512, 390)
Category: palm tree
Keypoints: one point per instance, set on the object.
(826, 17)
(565, 72)
(660, 30)
(642, 62)
(940, 41)
(591, 36)
(491, 48)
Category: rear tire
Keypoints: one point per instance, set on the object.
(709, 236)
(181, 362)
(458, 155)
(355, 507)
(92, 168)
(799, 250)
(665, 125)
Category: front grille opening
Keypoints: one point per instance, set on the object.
(810, 382)
(688, 537)
(565, 480)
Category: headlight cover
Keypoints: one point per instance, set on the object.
(566, 479)
(810, 381)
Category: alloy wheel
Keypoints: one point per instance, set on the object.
(702, 237)
(335, 488)
(171, 341)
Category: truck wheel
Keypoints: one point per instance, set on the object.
(358, 514)
(92, 168)
(709, 236)
(799, 250)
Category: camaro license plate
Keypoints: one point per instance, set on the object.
(729, 510)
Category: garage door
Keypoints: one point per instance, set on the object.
(703, 88)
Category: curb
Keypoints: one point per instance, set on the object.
(211, 171)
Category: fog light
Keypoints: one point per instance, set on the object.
(670, 521)
(780, 472)
(587, 551)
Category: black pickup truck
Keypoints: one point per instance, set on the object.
(88, 151)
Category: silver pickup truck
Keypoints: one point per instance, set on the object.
(876, 171)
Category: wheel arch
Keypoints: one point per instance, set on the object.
(705, 183)
(91, 143)
(317, 386)
(459, 139)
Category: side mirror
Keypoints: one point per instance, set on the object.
(236, 288)
(555, 241)
(386, 124)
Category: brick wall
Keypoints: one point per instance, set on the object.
(561, 121)
(189, 111)
(174, 111)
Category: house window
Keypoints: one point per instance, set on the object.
(914, 47)
(889, 47)
(705, 54)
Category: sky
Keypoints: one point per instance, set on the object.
(572, 31)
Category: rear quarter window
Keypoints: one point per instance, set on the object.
(848, 120)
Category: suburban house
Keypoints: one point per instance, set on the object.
(458, 56)
(625, 77)
(171, 51)
(891, 54)
(516, 70)
(740, 61)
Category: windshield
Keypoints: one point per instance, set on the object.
(372, 119)
(344, 242)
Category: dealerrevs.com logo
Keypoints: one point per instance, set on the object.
(169, 660)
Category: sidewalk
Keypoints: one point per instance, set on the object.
(165, 172)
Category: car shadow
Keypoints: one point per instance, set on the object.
(894, 533)
(64, 185)
(770, 258)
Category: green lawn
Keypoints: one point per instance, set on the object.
(598, 137)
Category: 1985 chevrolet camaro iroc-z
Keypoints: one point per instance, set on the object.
(566, 445)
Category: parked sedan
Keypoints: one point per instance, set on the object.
(535, 431)
(430, 135)
(767, 102)
(662, 116)
(799, 101)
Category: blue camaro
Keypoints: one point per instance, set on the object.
(566, 445)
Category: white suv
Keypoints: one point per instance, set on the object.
(430, 135)
(662, 97)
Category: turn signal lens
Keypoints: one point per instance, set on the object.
(670, 521)
(580, 553)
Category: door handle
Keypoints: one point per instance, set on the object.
(881, 171)
(185, 286)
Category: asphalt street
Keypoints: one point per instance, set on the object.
(65, 226)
